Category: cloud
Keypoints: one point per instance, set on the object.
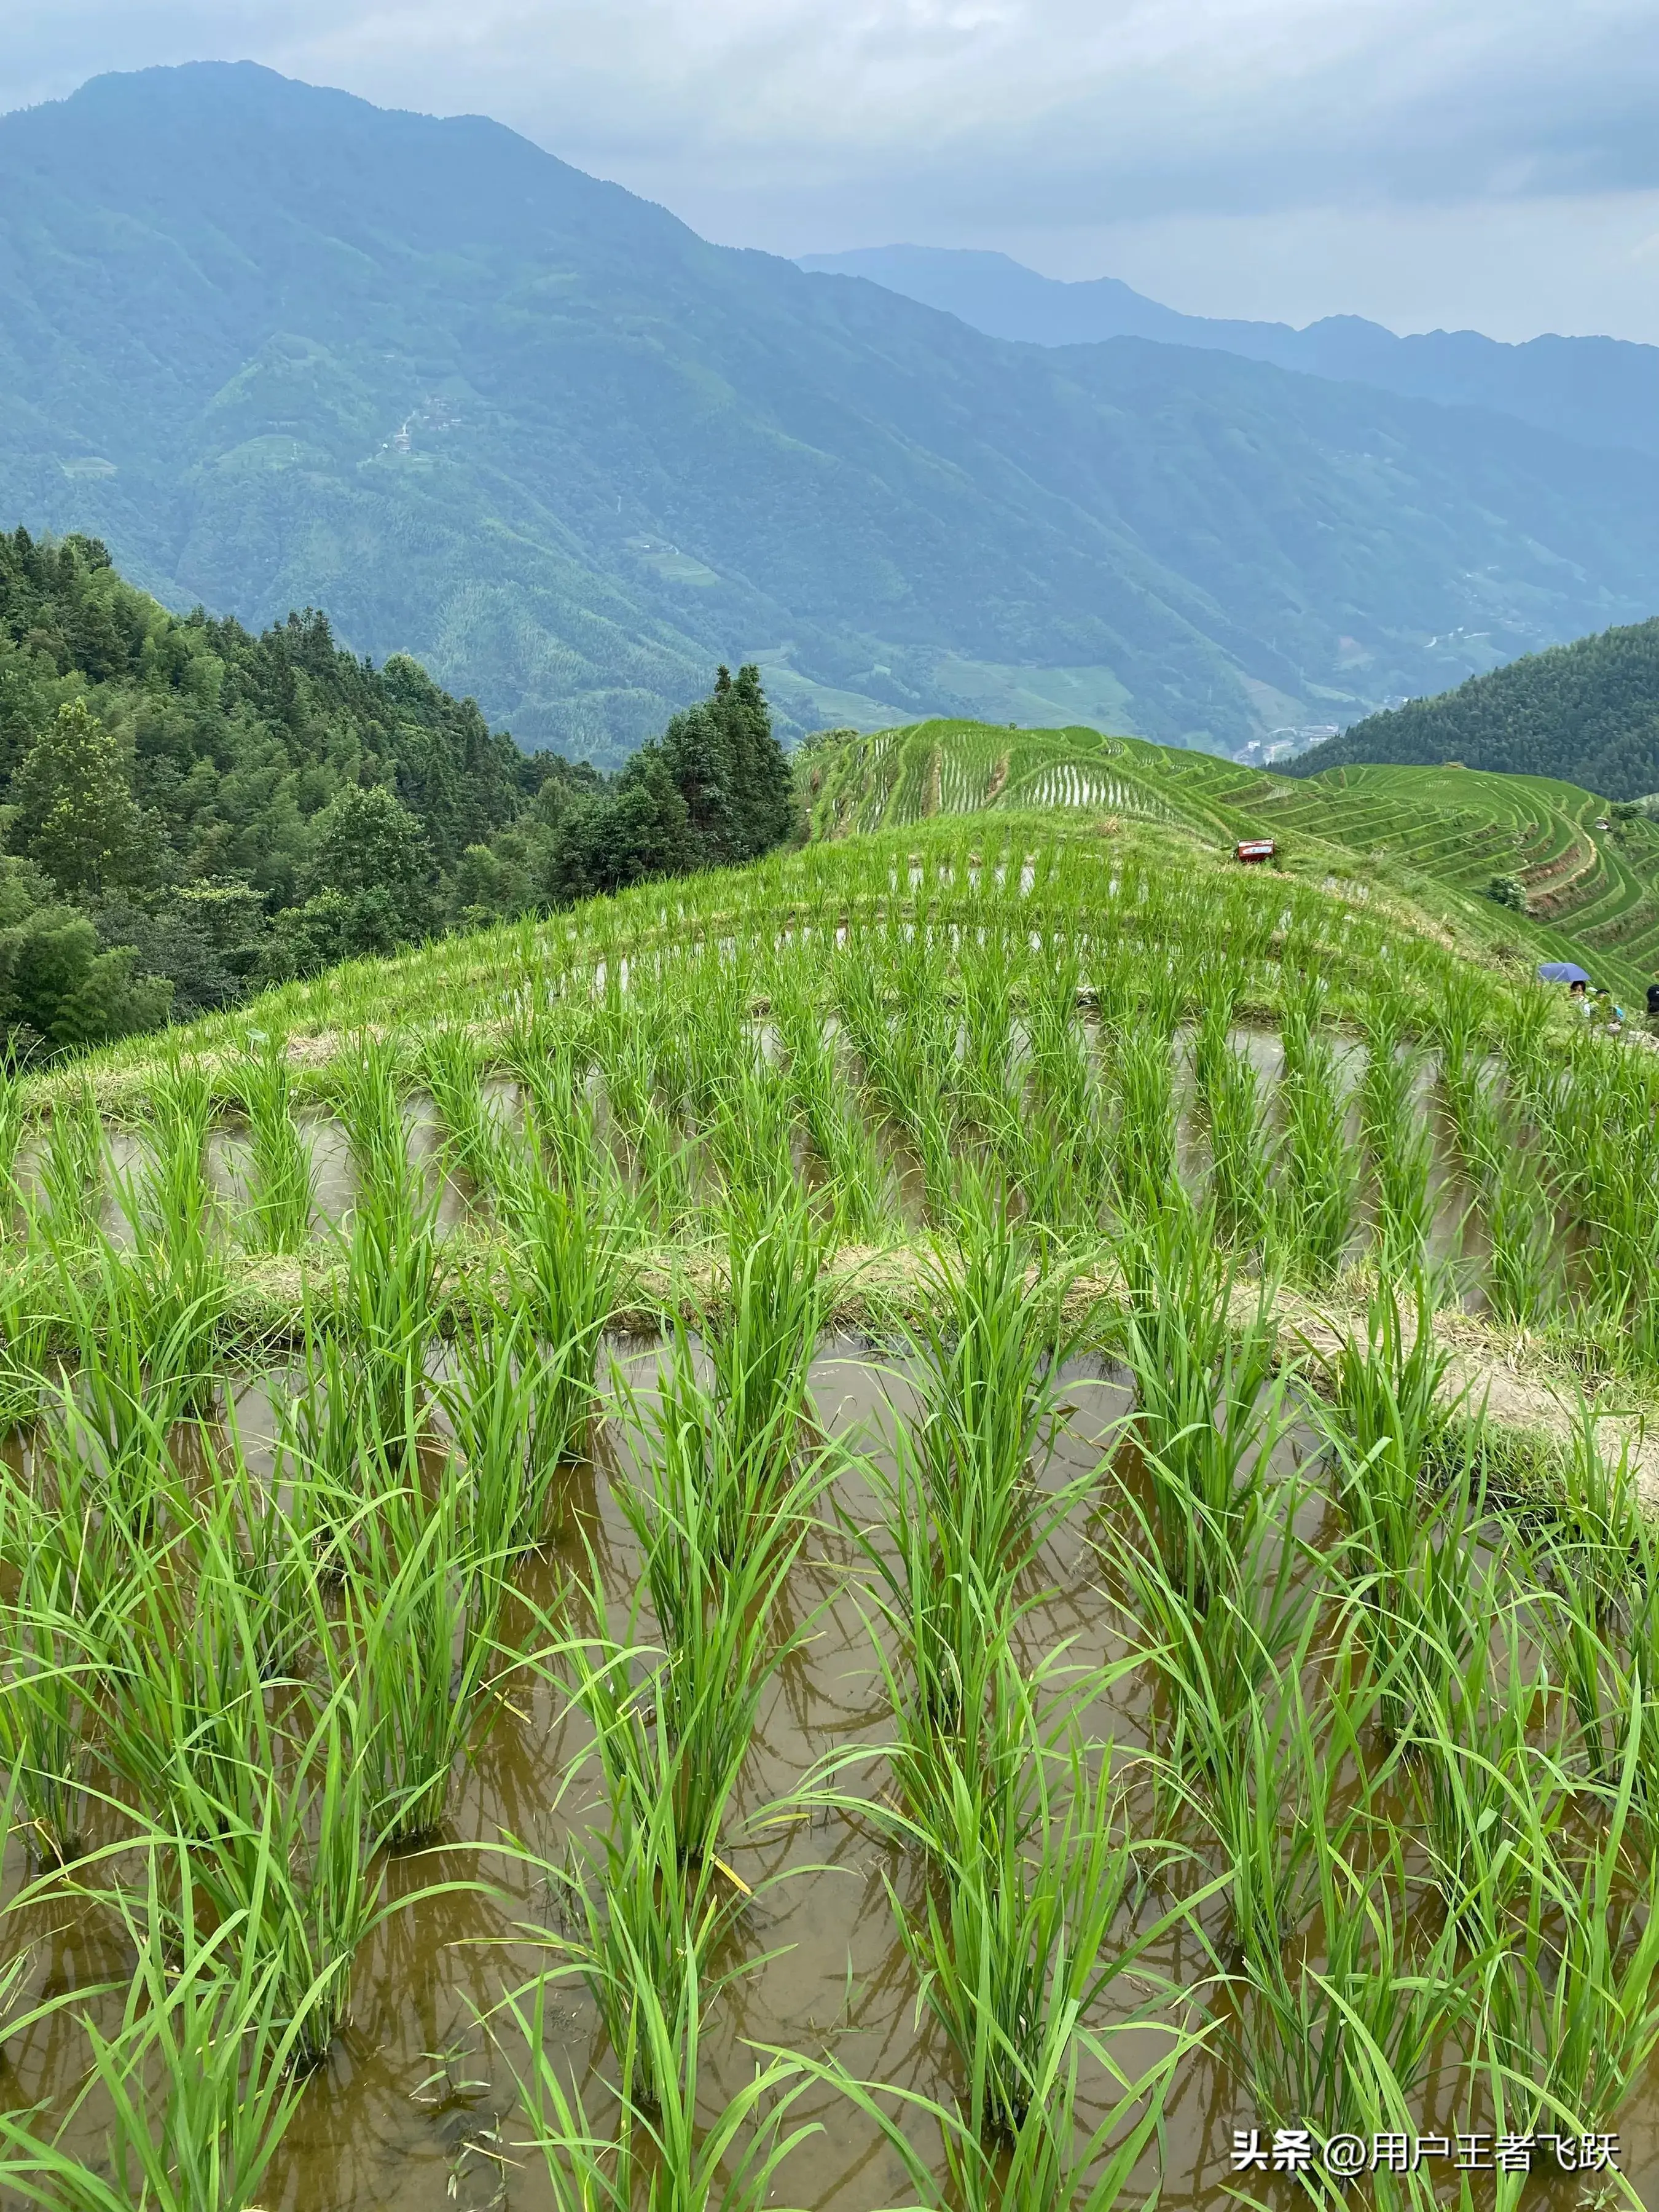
(800, 122)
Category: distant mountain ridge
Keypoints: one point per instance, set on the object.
(278, 348)
(1587, 713)
(1600, 392)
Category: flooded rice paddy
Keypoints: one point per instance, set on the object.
(416, 2106)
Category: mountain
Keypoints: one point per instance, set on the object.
(276, 348)
(1602, 391)
(1587, 713)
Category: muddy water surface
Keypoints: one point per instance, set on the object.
(414, 2110)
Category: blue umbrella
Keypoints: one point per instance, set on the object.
(1561, 971)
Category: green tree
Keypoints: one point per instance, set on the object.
(56, 984)
(366, 842)
(76, 816)
(730, 771)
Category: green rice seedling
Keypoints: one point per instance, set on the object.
(1397, 1141)
(1592, 1539)
(1388, 1418)
(719, 1535)
(391, 1294)
(864, 1196)
(331, 1454)
(1208, 1412)
(187, 1723)
(963, 1511)
(1265, 1782)
(1393, 1431)
(489, 1406)
(1143, 1139)
(49, 1663)
(640, 1920)
(451, 1065)
(292, 1869)
(1328, 2043)
(991, 1347)
(1240, 1152)
(1572, 1999)
(987, 1010)
(1058, 2161)
(669, 2154)
(1220, 991)
(568, 1275)
(282, 1193)
(1489, 1800)
(1318, 1179)
(71, 1169)
(751, 1133)
(27, 1329)
(175, 1291)
(947, 1618)
(204, 2023)
(177, 1212)
(108, 1431)
(1214, 1661)
(421, 1640)
(642, 1926)
(262, 1534)
(652, 1141)
(371, 1109)
(761, 1339)
(909, 1055)
(1519, 1202)
(559, 1126)
(1015, 1939)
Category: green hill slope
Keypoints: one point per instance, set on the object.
(1587, 711)
(1439, 838)
(278, 349)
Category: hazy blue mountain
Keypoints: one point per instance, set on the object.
(1603, 391)
(277, 347)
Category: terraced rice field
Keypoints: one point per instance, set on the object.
(1591, 883)
(682, 1557)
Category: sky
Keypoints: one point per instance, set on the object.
(1483, 164)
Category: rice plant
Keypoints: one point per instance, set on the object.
(1396, 1139)
(1240, 1150)
(50, 1667)
(1207, 1411)
(451, 1068)
(1318, 1177)
(568, 1273)
(666, 2148)
(71, 1169)
(292, 1869)
(421, 1647)
(282, 1176)
(197, 2079)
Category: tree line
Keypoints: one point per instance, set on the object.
(189, 812)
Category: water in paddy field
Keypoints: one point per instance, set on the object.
(1456, 1237)
(415, 2108)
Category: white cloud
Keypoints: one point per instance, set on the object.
(823, 123)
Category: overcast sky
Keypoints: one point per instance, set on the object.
(1492, 164)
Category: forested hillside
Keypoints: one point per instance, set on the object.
(190, 811)
(278, 348)
(1587, 713)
